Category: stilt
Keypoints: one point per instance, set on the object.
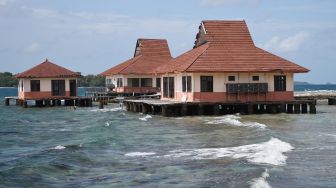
(164, 111)
(297, 108)
(331, 101)
(289, 108)
(250, 109)
(200, 109)
(184, 110)
(7, 101)
(25, 104)
(304, 108)
(312, 108)
(101, 105)
(144, 108)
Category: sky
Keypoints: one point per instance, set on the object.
(90, 36)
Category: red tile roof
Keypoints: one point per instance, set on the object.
(47, 69)
(149, 54)
(227, 46)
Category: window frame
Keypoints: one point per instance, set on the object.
(206, 83)
(280, 83)
(35, 85)
(230, 78)
(255, 78)
(186, 83)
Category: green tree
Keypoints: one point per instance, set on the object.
(7, 79)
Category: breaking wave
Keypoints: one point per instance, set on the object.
(139, 154)
(234, 120)
(59, 147)
(145, 118)
(107, 110)
(270, 152)
(261, 181)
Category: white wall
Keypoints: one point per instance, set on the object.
(124, 77)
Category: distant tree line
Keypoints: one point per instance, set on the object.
(7, 79)
(91, 81)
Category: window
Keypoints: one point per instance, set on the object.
(279, 83)
(232, 78)
(133, 82)
(34, 85)
(158, 82)
(146, 82)
(206, 84)
(119, 82)
(255, 78)
(168, 87)
(108, 80)
(58, 87)
(186, 83)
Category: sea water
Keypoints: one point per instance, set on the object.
(88, 147)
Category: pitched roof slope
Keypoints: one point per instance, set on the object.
(149, 54)
(227, 46)
(47, 69)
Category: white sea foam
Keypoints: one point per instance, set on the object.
(107, 124)
(139, 154)
(234, 120)
(145, 118)
(261, 181)
(59, 147)
(270, 152)
(107, 110)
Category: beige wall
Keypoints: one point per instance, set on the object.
(45, 83)
(220, 80)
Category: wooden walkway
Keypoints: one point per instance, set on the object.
(170, 108)
(330, 96)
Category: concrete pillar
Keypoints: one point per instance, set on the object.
(282, 108)
(216, 109)
(304, 108)
(47, 102)
(297, 108)
(273, 109)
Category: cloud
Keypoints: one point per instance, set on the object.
(227, 2)
(32, 48)
(289, 44)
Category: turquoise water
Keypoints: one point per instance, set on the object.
(87, 147)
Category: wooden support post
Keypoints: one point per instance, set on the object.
(101, 105)
(25, 104)
(184, 109)
(200, 109)
(282, 108)
(289, 108)
(90, 102)
(331, 101)
(296, 108)
(144, 108)
(17, 102)
(262, 108)
(164, 110)
(304, 108)
(312, 108)
(250, 109)
(7, 101)
(217, 109)
(58, 102)
(47, 102)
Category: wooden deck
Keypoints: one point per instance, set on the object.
(50, 102)
(330, 96)
(171, 108)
